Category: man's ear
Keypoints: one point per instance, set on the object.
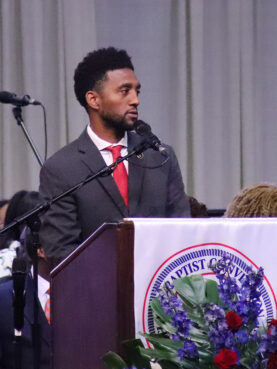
(93, 99)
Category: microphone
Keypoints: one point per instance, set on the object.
(144, 130)
(19, 271)
(11, 98)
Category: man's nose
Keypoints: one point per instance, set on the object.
(134, 98)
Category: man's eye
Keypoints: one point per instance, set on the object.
(138, 92)
(125, 91)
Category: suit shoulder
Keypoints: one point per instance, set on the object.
(62, 154)
(66, 155)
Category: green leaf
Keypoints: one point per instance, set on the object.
(197, 335)
(188, 306)
(205, 354)
(114, 361)
(212, 292)
(132, 350)
(168, 365)
(197, 316)
(191, 288)
(167, 327)
(163, 341)
(161, 355)
(161, 319)
(159, 311)
(247, 362)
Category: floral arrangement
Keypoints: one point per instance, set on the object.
(206, 325)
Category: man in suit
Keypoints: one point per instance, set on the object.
(150, 186)
(7, 346)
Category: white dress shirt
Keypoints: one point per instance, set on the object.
(103, 144)
(43, 288)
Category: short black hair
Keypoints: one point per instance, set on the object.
(19, 204)
(3, 202)
(93, 68)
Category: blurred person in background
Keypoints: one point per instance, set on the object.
(3, 209)
(197, 209)
(7, 347)
(259, 200)
(20, 203)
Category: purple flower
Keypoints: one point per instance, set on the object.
(219, 322)
(221, 337)
(170, 302)
(181, 354)
(254, 335)
(241, 307)
(182, 323)
(242, 336)
(268, 342)
(251, 284)
(229, 339)
(263, 345)
(175, 337)
(214, 313)
(227, 289)
(222, 266)
(189, 351)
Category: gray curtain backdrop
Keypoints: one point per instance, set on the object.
(209, 83)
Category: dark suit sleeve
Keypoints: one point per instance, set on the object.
(177, 201)
(60, 230)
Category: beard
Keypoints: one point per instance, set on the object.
(119, 123)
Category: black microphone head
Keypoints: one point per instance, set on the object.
(27, 99)
(6, 97)
(11, 98)
(141, 127)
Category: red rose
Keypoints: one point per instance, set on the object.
(225, 359)
(271, 324)
(233, 320)
(272, 360)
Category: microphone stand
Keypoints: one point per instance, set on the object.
(17, 112)
(19, 269)
(34, 225)
(33, 221)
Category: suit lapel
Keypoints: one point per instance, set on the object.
(92, 158)
(136, 174)
(29, 311)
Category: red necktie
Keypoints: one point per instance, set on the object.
(47, 307)
(120, 175)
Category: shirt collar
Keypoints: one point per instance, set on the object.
(43, 285)
(103, 144)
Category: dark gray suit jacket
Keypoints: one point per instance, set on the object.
(157, 192)
(7, 357)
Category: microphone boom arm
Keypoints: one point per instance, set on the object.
(17, 112)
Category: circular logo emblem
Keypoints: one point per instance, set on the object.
(195, 260)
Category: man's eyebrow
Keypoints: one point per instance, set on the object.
(130, 85)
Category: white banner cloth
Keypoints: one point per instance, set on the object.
(166, 249)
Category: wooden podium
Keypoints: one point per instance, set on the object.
(92, 299)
